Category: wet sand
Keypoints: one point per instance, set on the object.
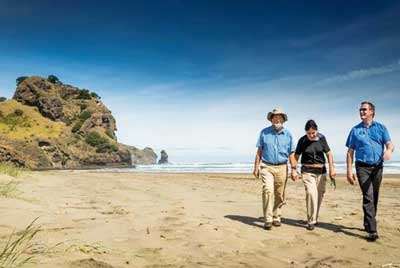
(191, 220)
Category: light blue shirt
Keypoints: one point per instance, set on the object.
(276, 146)
(368, 142)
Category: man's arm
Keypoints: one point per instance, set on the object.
(257, 162)
(293, 158)
(349, 161)
(389, 150)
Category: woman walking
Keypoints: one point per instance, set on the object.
(312, 148)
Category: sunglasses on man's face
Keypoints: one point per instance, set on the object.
(363, 109)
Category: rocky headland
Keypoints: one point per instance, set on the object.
(48, 124)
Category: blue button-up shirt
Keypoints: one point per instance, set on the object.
(276, 146)
(368, 142)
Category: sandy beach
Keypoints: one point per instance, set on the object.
(190, 220)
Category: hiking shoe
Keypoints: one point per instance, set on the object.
(268, 226)
(276, 223)
(310, 227)
(372, 237)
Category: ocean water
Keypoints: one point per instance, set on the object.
(391, 167)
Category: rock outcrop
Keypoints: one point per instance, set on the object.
(163, 157)
(141, 157)
(48, 124)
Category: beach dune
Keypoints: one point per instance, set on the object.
(189, 220)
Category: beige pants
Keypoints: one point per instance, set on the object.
(274, 180)
(315, 185)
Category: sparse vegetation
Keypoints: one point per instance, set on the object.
(9, 169)
(3, 99)
(9, 189)
(14, 252)
(82, 117)
(31, 123)
(15, 119)
(110, 133)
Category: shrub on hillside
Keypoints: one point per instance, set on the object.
(20, 79)
(94, 95)
(3, 99)
(104, 148)
(102, 144)
(53, 79)
(95, 139)
(84, 94)
(83, 106)
(77, 126)
(18, 112)
(84, 115)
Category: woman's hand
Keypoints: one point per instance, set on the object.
(332, 173)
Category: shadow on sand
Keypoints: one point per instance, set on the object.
(337, 228)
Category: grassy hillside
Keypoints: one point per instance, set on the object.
(22, 122)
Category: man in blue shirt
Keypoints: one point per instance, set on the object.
(275, 147)
(368, 140)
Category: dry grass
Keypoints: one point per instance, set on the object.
(11, 170)
(15, 252)
(39, 126)
(9, 189)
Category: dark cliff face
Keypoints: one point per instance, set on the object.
(52, 125)
(163, 158)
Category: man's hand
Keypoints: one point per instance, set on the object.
(387, 155)
(256, 173)
(351, 178)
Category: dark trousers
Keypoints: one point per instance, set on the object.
(369, 178)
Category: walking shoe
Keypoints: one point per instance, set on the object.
(276, 223)
(310, 227)
(268, 226)
(372, 237)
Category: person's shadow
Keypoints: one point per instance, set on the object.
(259, 222)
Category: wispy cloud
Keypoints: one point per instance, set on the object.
(377, 22)
(359, 74)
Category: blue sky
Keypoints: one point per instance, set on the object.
(197, 78)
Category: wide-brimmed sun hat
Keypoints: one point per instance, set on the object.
(277, 111)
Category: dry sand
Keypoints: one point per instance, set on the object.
(94, 220)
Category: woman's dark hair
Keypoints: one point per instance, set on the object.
(311, 124)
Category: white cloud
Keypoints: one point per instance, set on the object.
(359, 74)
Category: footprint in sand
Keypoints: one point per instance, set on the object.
(90, 263)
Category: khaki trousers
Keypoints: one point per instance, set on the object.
(315, 185)
(274, 180)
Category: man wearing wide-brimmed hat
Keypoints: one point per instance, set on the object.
(275, 148)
